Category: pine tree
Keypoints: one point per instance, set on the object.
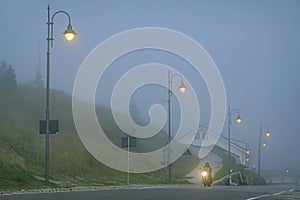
(8, 79)
(11, 79)
(3, 67)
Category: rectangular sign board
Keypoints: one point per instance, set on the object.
(53, 126)
(132, 142)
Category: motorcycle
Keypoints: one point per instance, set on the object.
(206, 175)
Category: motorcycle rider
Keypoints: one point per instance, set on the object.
(206, 173)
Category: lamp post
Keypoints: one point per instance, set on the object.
(182, 89)
(69, 35)
(248, 155)
(261, 144)
(238, 120)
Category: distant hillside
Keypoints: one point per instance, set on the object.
(22, 149)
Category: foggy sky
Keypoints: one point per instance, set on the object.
(255, 45)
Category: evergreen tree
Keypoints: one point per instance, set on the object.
(11, 79)
(8, 79)
(3, 67)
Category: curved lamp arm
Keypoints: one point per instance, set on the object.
(69, 33)
(182, 88)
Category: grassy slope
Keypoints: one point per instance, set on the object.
(224, 170)
(22, 149)
(13, 176)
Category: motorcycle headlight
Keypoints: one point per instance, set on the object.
(204, 173)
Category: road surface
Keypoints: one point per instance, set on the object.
(170, 192)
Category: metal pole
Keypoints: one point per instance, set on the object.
(259, 149)
(229, 153)
(128, 164)
(169, 127)
(47, 98)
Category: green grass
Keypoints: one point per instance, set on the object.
(14, 177)
(22, 148)
(224, 170)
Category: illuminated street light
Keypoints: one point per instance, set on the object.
(69, 35)
(182, 88)
(261, 144)
(238, 120)
(268, 134)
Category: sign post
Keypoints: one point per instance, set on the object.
(128, 142)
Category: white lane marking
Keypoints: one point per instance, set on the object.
(258, 197)
(278, 193)
(267, 195)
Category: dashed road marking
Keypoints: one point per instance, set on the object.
(267, 195)
(258, 197)
(278, 193)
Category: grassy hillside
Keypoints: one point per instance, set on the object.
(233, 163)
(22, 149)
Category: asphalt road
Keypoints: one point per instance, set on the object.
(170, 192)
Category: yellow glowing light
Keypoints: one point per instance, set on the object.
(238, 119)
(204, 173)
(264, 144)
(182, 88)
(268, 134)
(69, 33)
(69, 36)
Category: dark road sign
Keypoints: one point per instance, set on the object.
(53, 126)
(132, 142)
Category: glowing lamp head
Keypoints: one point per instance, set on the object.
(69, 33)
(204, 173)
(268, 134)
(182, 88)
(248, 152)
(238, 119)
(264, 144)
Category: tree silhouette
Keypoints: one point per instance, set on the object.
(8, 79)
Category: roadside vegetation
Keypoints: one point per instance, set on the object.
(22, 148)
(233, 163)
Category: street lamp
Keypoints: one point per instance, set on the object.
(69, 35)
(238, 120)
(268, 134)
(261, 144)
(182, 88)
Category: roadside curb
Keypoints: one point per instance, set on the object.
(88, 188)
